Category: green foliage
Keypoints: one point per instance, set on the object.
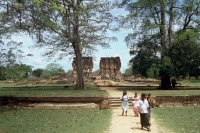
(144, 56)
(37, 2)
(18, 71)
(37, 72)
(2, 73)
(45, 74)
(166, 61)
(185, 54)
(53, 69)
(52, 120)
(153, 71)
(178, 119)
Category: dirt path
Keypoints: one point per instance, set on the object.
(125, 124)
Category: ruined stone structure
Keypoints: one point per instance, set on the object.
(110, 67)
(87, 66)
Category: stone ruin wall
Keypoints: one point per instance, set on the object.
(87, 66)
(110, 68)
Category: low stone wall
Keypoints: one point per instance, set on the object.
(160, 101)
(102, 102)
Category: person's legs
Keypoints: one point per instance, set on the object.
(146, 122)
(135, 112)
(150, 120)
(142, 120)
(149, 115)
(122, 112)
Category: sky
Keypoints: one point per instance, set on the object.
(117, 48)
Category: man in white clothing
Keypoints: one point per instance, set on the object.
(143, 106)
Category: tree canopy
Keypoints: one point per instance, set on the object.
(165, 37)
(64, 28)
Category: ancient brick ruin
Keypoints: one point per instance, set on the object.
(110, 68)
(87, 66)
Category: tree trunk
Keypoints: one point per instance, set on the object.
(80, 84)
(165, 78)
(165, 82)
(162, 25)
(170, 24)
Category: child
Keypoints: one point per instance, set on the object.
(134, 103)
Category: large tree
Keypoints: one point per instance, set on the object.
(167, 24)
(64, 27)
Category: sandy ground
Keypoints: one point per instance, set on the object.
(129, 123)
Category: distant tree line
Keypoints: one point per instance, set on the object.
(23, 71)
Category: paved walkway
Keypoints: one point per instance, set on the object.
(129, 123)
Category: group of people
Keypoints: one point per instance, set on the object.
(141, 107)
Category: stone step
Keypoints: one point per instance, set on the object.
(130, 101)
(118, 104)
(118, 97)
(115, 102)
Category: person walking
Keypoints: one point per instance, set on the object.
(143, 106)
(134, 103)
(151, 105)
(125, 105)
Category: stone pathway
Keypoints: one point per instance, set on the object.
(129, 123)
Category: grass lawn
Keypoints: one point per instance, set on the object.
(55, 91)
(164, 92)
(32, 120)
(178, 119)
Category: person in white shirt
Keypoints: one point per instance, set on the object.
(125, 105)
(143, 106)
